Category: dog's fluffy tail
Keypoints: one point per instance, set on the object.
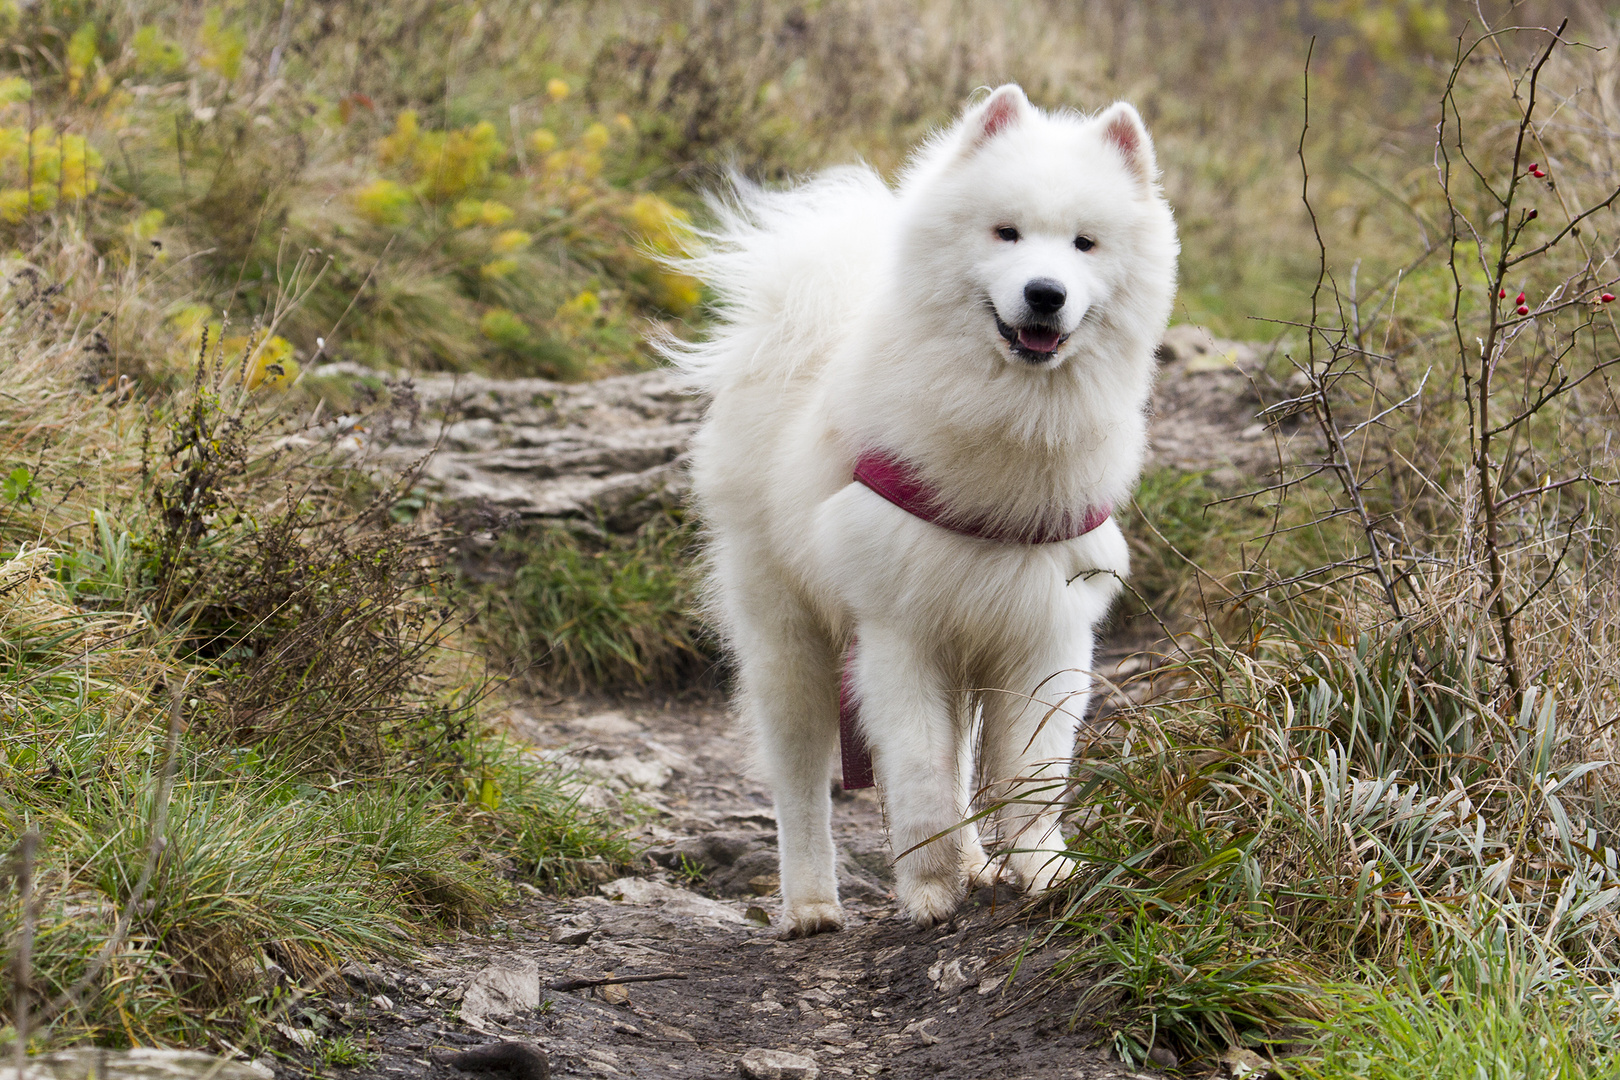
(787, 270)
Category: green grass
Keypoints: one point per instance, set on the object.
(1460, 1034)
(193, 576)
(603, 612)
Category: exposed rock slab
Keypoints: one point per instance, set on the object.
(609, 450)
(144, 1063)
(614, 451)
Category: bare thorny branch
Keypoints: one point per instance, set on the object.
(1524, 350)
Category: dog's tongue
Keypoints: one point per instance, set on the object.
(1038, 338)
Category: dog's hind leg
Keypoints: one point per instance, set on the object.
(1028, 741)
(788, 675)
(907, 718)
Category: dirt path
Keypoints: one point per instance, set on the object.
(880, 998)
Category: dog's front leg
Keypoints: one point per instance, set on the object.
(1028, 742)
(788, 682)
(907, 719)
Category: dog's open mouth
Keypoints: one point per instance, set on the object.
(1035, 343)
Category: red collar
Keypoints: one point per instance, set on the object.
(898, 482)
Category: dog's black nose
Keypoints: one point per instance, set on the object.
(1045, 296)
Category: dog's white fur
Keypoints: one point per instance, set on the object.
(851, 317)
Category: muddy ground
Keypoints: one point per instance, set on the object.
(878, 999)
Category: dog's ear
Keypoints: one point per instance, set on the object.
(1004, 108)
(1122, 128)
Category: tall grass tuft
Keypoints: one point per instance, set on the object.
(608, 612)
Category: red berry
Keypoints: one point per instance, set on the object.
(1523, 310)
(1501, 294)
(1519, 299)
(1534, 166)
(1607, 297)
(1531, 216)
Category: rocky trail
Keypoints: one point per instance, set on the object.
(724, 995)
(677, 972)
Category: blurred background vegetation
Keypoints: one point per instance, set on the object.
(1329, 821)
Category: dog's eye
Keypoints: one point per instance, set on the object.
(1007, 233)
(1084, 243)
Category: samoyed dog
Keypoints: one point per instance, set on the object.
(925, 402)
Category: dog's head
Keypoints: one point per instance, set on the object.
(1045, 231)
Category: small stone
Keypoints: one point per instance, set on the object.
(1245, 1064)
(384, 1002)
(505, 988)
(518, 1060)
(609, 724)
(764, 884)
(777, 1065)
(303, 1038)
(1163, 1056)
(614, 993)
(919, 1028)
(757, 914)
(571, 935)
(948, 976)
(991, 984)
(368, 977)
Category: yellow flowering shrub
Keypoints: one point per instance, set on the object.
(665, 229)
(443, 165)
(497, 205)
(38, 171)
(384, 202)
(504, 328)
(509, 241)
(490, 213)
(222, 47)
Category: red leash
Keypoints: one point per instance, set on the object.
(899, 483)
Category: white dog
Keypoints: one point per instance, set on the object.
(925, 402)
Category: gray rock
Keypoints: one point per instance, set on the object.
(609, 450)
(368, 977)
(140, 1064)
(639, 923)
(669, 901)
(728, 859)
(505, 988)
(777, 1065)
(736, 880)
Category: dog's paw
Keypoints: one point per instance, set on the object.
(1039, 871)
(982, 870)
(931, 900)
(805, 920)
